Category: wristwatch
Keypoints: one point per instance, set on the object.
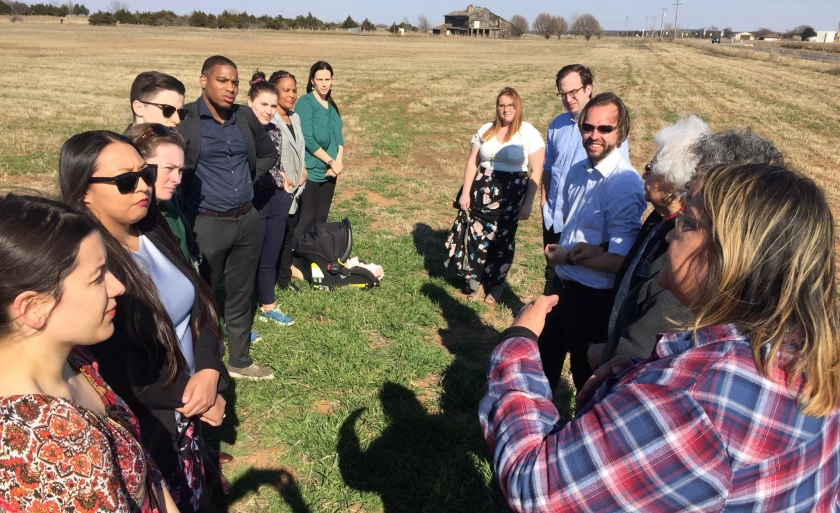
(330, 163)
(569, 260)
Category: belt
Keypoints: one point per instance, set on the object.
(567, 284)
(236, 212)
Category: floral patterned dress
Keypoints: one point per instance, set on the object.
(57, 456)
(482, 242)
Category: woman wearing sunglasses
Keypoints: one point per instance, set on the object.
(66, 437)
(164, 357)
(499, 187)
(738, 412)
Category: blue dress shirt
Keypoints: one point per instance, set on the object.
(563, 149)
(223, 178)
(601, 204)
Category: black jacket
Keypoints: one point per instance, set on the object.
(262, 154)
(133, 377)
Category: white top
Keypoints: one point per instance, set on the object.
(511, 156)
(176, 292)
(601, 204)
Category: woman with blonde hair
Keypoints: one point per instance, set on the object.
(499, 187)
(739, 412)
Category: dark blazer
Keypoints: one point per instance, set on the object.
(262, 155)
(644, 314)
(141, 386)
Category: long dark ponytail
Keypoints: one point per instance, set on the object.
(319, 66)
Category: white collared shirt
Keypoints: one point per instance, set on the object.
(601, 204)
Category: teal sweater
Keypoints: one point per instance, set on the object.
(321, 129)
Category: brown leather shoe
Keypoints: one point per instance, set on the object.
(224, 458)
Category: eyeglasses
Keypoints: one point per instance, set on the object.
(648, 168)
(573, 93)
(127, 182)
(602, 129)
(168, 110)
(155, 129)
(682, 221)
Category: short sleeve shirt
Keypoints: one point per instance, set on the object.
(510, 156)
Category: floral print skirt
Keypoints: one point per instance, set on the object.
(481, 244)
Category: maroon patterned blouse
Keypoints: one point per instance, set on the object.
(58, 456)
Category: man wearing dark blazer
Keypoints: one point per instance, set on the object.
(226, 150)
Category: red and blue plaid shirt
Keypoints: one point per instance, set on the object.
(695, 427)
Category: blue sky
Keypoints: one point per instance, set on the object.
(740, 15)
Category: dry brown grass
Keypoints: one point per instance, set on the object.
(410, 105)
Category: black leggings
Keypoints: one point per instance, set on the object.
(315, 202)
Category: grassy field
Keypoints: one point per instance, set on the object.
(374, 408)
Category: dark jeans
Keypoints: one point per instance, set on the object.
(549, 237)
(273, 206)
(315, 202)
(284, 263)
(579, 319)
(231, 250)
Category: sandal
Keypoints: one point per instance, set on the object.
(478, 294)
(494, 294)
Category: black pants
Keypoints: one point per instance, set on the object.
(549, 237)
(231, 250)
(273, 206)
(315, 202)
(579, 319)
(284, 263)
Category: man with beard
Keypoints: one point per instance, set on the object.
(563, 149)
(603, 201)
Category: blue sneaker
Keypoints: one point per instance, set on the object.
(276, 316)
(255, 337)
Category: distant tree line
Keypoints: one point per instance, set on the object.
(53, 9)
(547, 26)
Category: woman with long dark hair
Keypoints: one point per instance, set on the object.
(66, 437)
(271, 200)
(738, 411)
(321, 125)
(164, 357)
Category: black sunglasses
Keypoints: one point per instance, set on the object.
(127, 182)
(602, 129)
(168, 110)
(153, 129)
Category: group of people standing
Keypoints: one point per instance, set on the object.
(109, 320)
(702, 341)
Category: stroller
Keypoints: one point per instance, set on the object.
(325, 250)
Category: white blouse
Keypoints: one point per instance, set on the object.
(511, 156)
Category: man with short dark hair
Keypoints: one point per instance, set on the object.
(563, 149)
(157, 98)
(603, 201)
(227, 149)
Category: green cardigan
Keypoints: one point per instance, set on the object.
(321, 129)
(176, 224)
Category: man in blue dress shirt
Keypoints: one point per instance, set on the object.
(227, 149)
(602, 203)
(563, 148)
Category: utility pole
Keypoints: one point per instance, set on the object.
(625, 25)
(676, 14)
(662, 27)
(644, 32)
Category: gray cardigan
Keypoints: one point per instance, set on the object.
(291, 155)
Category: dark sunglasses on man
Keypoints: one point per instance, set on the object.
(602, 129)
(127, 182)
(168, 110)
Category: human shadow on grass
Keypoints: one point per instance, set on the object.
(430, 244)
(430, 461)
(253, 479)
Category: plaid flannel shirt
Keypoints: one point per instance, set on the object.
(695, 427)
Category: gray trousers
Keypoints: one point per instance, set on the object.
(231, 250)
